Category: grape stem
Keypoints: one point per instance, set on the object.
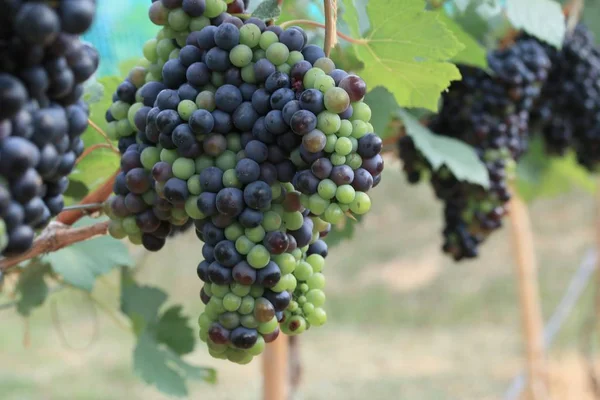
(330, 25)
(94, 147)
(90, 206)
(573, 12)
(56, 236)
(102, 133)
(319, 25)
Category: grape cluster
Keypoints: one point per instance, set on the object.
(568, 111)
(43, 65)
(490, 113)
(253, 134)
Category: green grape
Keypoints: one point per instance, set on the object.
(193, 185)
(259, 54)
(308, 308)
(303, 271)
(337, 159)
(234, 231)
(219, 290)
(359, 129)
(336, 100)
(198, 23)
(243, 245)
(217, 79)
(276, 190)
(168, 156)
(207, 289)
(258, 257)
(285, 68)
(353, 160)
(160, 35)
(168, 32)
(226, 160)
(204, 322)
(149, 157)
(317, 204)
(256, 291)
(316, 297)
(191, 208)
(296, 325)
(293, 220)
(267, 38)
(354, 143)
(286, 262)
(136, 238)
(328, 122)
(130, 226)
(258, 347)
(318, 317)
(111, 130)
(334, 214)
(248, 321)
(217, 354)
(323, 83)
(343, 146)
(316, 261)
(278, 53)
(345, 194)
(149, 50)
(298, 253)
(327, 189)
(319, 225)
(131, 112)
(250, 35)
(247, 305)
(361, 203)
(361, 111)
(255, 234)
(183, 168)
(240, 55)
(267, 327)
(248, 73)
(213, 8)
(115, 229)
(330, 145)
(271, 221)
(238, 356)
(203, 162)
(186, 108)
(231, 302)
(174, 54)
(296, 158)
(326, 64)
(310, 77)
(304, 200)
(206, 100)
(181, 37)
(229, 320)
(234, 142)
(230, 179)
(370, 127)
(178, 214)
(164, 48)
(316, 281)
(294, 58)
(119, 109)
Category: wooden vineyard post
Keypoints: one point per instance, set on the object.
(529, 298)
(275, 369)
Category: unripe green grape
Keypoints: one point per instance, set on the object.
(259, 54)
(267, 38)
(247, 305)
(168, 32)
(186, 108)
(336, 100)
(256, 234)
(169, 156)
(149, 50)
(359, 129)
(231, 302)
(318, 317)
(181, 37)
(129, 225)
(178, 214)
(203, 162)
(337, 159)
(316, 297)
(328, 122)
(206, 100)
(248, 75)
(131, 112)
(119, 110)
(268, 327)
(124, 128)
(285, 68)
(258, 257)
(115, 229)
(234, 231)
(317, 204)
(213, 8)
(361, 203)
(256, 291)
(111, 130)
(277, 53)
(353, 160)
(324, 83)
(310, 77)
(243, 245)
(308, 308)
(293, 220)
(230, 179)
(239, 290)
(193, 185)
(258, 347)
(303, 271)
(271, 221)
(294, 58)
(361, 111)
(333, 214)
(225, 161)
(248, 321)
(191, 208)
(149, 157)
(250, 35)
(343, 146)
(219, 290)
(178, 19)
(229, 320)
(330, 145)
(345, 194)
(198, 23)
(326, 64)
(354, 143)
(217, 79)
(327, 189)
(164, 48)
(316, 261)
(241, 55)
(204, 322)
(298, 253)
(174, 54)
(136, 238)
(286, 262)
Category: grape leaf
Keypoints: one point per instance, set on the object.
(172, 330)
(543, 19)
(406, 50)
(31, 287)
(540, 175)
(342, 231)
(140, 303)
(439, 150)
(79, 264)
(383, 107)
(267, 10)
(474, 53)
(161, 367)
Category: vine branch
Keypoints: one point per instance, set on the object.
(330, 25)
(308, 22)
(55, 237)
(94, 147)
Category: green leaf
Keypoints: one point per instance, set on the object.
(140, 303)
(76, 190)
(342, 231)
(93, 91)
(173, 331)
(406, 50)
(161, 367)
(541, 175)
(543, 19)
(383, 107)
(32, 287)
(439, 150)
(267, 10)
(79, 264)
(474, 53)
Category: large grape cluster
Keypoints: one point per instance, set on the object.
(568, 111)
(490, 113)
(253, 134)
(43, 65)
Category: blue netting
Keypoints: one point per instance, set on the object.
(119, 32)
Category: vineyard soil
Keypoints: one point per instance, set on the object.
(415, 326)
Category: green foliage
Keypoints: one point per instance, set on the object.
(161, 339)
(406, 50)
(31, 287)
(543, 19)
(267, 10)
(439, 150)
(540, 175)
(474, 53)
(79, 264)
(342, 232)
(383, 108)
